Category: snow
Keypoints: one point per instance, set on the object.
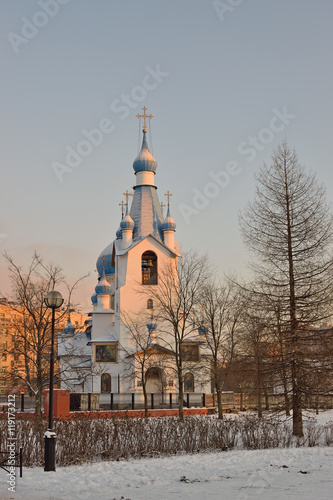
(294, 473)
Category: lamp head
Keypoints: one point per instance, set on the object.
(53, 300)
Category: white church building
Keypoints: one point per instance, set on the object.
(107, 357)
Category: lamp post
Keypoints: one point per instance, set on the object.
(53, 300)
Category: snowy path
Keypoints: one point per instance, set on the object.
(240, 475)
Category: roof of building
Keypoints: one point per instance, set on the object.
(146, 213)
(121, 251)
(79, 344)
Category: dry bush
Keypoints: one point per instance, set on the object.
(312, 432)
(83, 441)
(328, 433)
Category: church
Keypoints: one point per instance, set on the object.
(123, 346)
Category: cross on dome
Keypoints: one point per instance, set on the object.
(127, 194)
(122, 205)
(168, 194)
(144, 116)
(162, 206)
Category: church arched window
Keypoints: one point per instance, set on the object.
(106, 382)
(188, 382)
(149, 268)
(150, 304)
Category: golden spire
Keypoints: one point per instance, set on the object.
(144, 116)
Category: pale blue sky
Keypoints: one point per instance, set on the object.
(225, 78)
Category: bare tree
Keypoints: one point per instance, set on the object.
(33, 320)
(143, 348)
(289, 228)
(178, 294)
(221, 313)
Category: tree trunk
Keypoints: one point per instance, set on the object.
(219, 403)
(145, 397)
(259, 405)
(285, 392)
(181, 395)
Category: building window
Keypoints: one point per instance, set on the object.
(4, 357)
(106, 382)
(189, 382)
(150, 304)
(16, 357)
(149, 268)
(3, 369)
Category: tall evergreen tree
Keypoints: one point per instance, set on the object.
(289, 229)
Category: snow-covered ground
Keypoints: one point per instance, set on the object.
(295, 473)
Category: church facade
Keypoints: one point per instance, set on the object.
(123, 345)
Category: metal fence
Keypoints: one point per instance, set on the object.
(134, 401)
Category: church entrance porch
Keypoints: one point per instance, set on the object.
(154, 380)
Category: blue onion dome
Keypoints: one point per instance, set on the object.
(69, 328)
(168, 224)
(144, 160)
(119, 233)
(105, 265)
(94, 299)
(103, 287)
(151, 325)
(127, 222)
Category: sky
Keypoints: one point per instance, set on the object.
(226, 81)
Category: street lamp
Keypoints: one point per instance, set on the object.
(53, 300)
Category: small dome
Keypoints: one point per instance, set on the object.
(127, 222)
(103, 287)
(151, 325)
(108, 268)
(69, 328)
(119, 233)
(144, 160)
(94, 299)
(168, 224)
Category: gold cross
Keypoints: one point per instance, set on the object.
(162, 206)
(144, 116)
(122, 205)
(168, 194)
(127, 194)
